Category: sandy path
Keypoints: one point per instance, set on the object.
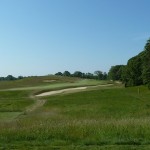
(37, 104)
(69, 90)
(102, 85)
(49, 81)
(61, 91)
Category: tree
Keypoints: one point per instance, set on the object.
(99, 75)
(115, 72)
(67, 73)
(124, 74)
(89, 75)
(20, 77)
(10, 77)
(137, 70)
(134, 71)
(78, 74)
(2, 78)
(146, 64)
(58, 74)
(104, 76)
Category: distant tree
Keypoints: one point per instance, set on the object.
(99, 75)
(104, 76)
(89, 75)
(58, 74)
(78, 74)
(20, 77)
(10, 77)
(83, 75)
(2, 78)
(67, 73)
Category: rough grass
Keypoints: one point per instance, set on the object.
(13, 103)
(103, 103)
(115, 119)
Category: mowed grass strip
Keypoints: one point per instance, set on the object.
(97, 119)
(36, 81)
(13, 103)
(8, 116)
(14, 100)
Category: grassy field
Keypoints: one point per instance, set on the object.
(36, 81)
(101, 118)
(47, 83)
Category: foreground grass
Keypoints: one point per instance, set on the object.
(115, 118)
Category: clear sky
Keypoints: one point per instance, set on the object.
(40, 37)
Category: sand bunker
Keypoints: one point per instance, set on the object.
(49, 80)
(61, 91)
(70, 90)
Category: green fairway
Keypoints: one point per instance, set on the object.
(111, 117)
(38, 83)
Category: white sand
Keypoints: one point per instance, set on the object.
(49, 81)
(61, 91)
(70, 90)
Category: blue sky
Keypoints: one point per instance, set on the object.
(40, 37)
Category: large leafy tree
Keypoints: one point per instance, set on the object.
(67, 73)
(58, 74)
(146, 64)
(10, 77)
(115, 72)
(99, 74)
(78, 74)
(137, 70)
(134, 70)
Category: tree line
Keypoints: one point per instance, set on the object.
(99, 75)
(10, 78)
(137, 70)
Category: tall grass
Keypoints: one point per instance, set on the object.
(98, 119)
